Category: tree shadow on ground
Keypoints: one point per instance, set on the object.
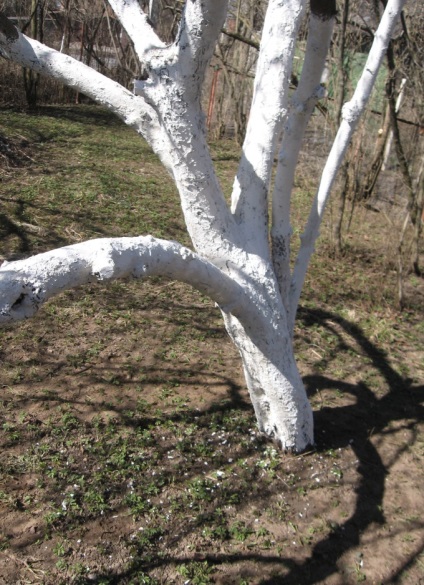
(351, 425)
(9, 227)
(82, 113)
(354, 425)
(340, 427)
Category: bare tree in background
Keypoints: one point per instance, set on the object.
(405, 61)
(237, 53)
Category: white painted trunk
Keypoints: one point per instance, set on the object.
(252, 314)
(351, 113)
(275, 386)
(257, 291)
(303, 103)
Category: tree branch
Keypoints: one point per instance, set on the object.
(269, 108)
(200, 26)
(40, 58)
(135, 22)
(302, 105)
(241, 38)
(351, 114)
(172, 129)
(133, 110)
(26, 284)
(174, 90)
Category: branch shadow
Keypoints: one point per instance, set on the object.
(340, 427)
(8, 227)
(352, 425)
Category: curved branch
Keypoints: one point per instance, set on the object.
(26, 284)
(135, 22)
(132, 109)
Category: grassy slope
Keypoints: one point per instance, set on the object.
(129, 451)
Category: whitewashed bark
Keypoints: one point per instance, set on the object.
(232, 262)
(26, 284)
(174, 87)
(135, 22)
(199, 29)
(268, 110)
(351, 114)
(305, 98)
(275, 386)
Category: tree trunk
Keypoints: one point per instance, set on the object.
(339, 101)
(275, 386)
(341, 206)
(257, 291)
(30, 77)
(418, 226)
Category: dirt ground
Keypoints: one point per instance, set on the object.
(129, 452)
(349, 510)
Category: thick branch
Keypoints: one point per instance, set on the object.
(269, 107)
(135, 22)
(351, 114)
(200, 26)
(305, 98)
(26, 284)
(208, 219)
(174, 90)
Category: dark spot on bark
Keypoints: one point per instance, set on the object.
(18, 301)
(8, 28)
(279, 247)
(324, 9)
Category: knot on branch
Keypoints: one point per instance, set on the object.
(103, 267)
(351, 112)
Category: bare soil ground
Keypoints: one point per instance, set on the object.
(129, 452)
